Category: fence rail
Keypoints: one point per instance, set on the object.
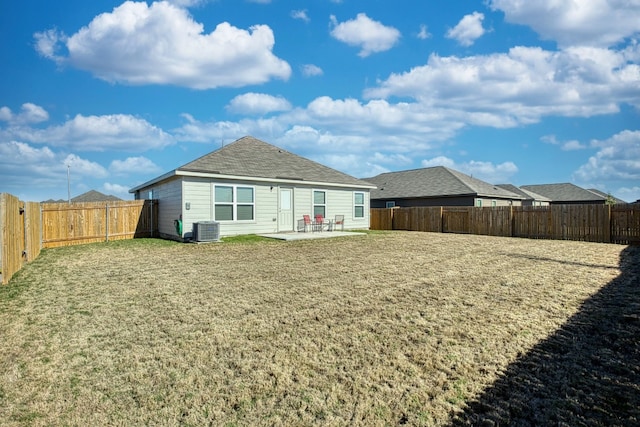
(27, 227)
(592, 223)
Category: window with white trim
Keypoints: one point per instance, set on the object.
(320, 203)
(234, 203)
(391, 204)
(358, 204)
(478, 203)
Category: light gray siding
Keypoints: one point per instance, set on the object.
(192, 199)
(339, 201)
(169, 195)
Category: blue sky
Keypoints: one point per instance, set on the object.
(508, 91)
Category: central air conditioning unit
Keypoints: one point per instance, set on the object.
(206, 231)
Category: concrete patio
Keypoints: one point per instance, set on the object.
(310, 235)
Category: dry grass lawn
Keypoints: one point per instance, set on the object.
(382, 329)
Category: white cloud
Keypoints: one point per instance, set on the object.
(618, 158)
(116, 190)
(84, 167)
(188, 3)
(31, 113)
(468, 30)
(258, 103)
(300, 14)
(485, 171)
(14, 150)
(24, 166)
(571, 145)
(133, 165)
(371, 36)
(162, 44)
(310, 70)
(580, 22)
(629, 194)
(48, 44)
(96, 133)
(423, 34)
(521, 86)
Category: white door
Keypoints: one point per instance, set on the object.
(285, 210)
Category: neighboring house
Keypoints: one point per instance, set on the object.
(566, 194)
(530, 198)
(437, 186)
(250, 186)
(612, 199)
(89, 196)
(95, 196)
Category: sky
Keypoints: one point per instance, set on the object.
(105, 95)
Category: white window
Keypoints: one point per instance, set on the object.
(494, 203)
(358, 204)
(478, 203)
(390, 204)
(234, 203)
(319, 203)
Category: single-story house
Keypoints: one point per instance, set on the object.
(437, 186)
(531, 198)
(566, 194)
(251, 187)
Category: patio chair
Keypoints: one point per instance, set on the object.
(339, 221)
(305, 223)
(320, 222)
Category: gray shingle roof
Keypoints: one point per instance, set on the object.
(433, 182)
(605, 195)
(564, 192)
(95, 196)
(250, 157)
(89, 196)
(528, 195)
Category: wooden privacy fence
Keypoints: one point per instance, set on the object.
(26, 227)
(19, 234)
(593, 223)
(78, 223)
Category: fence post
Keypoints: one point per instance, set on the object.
(25, 231)
(512, 221)
(151, 209)
(606, 224)
(107, 221)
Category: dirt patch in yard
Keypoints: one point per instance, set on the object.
(387, 329)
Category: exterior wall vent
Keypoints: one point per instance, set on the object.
(206, 231)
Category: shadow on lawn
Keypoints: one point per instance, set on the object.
(585, 374)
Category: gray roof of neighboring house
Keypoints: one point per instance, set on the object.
(606, 196)
(528, 195)
(95, 196)
(252, 158)
(564, 192)
(438, 181)
(89, 196)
